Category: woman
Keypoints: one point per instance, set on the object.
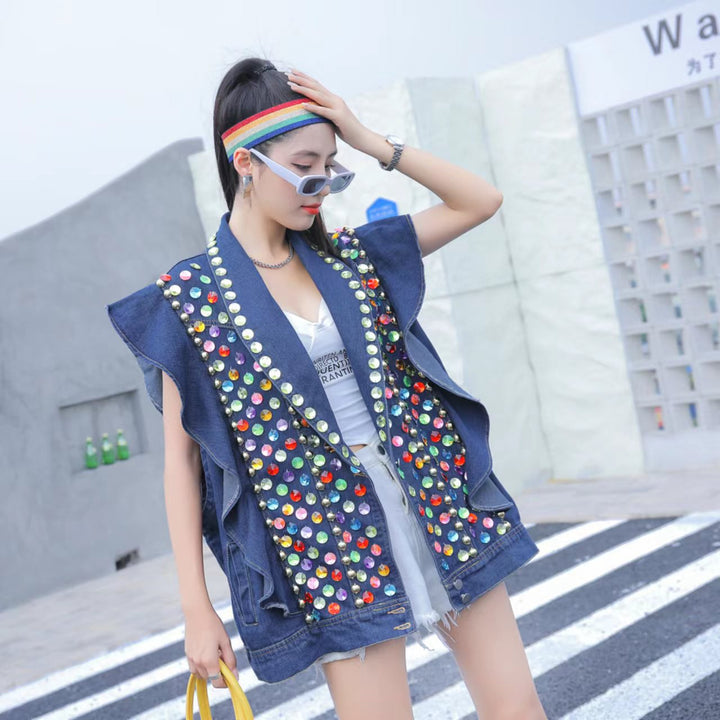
(352, 502)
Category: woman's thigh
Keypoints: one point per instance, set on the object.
(374, 688)
(488, 649)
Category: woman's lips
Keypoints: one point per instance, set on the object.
(311, 210)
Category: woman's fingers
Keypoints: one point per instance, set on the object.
(206, 668)
(214, 669)
(305, 81)
(325, 103)
(304, 89)
(228, 656)
(209, 668)
(305, 84)
(299, 77)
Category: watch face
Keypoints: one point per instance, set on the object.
(395, 140)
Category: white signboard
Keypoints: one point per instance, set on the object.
(674, 48)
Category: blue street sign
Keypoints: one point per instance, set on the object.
(381, 208)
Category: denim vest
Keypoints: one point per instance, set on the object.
(287, 508)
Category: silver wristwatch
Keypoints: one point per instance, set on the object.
(398, 146)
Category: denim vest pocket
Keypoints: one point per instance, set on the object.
(282, 597)
(489, 494)
(204, 475)
(257, 565)
(241, 589)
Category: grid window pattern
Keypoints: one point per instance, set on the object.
(655, 168)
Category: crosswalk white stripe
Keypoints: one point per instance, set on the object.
(175, 708)
(565, 538)
(132, 651)
(452, 703)
(132, 686)
(658, 682)
(564, 644)
(621, 614)
(564, 582)
(568, 580)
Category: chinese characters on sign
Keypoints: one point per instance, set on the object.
(705, 63)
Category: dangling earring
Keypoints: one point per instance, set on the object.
(246, 181)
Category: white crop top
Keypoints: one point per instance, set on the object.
(327, 351)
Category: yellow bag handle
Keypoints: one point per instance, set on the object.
(240, 703)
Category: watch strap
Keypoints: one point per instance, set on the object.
(397, 152)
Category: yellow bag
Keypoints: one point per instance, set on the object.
(239, 701)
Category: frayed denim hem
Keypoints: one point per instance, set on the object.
(446, 621)
(432, 624)
(331, 657)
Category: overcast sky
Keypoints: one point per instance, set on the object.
(90, 90)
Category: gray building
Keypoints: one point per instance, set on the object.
(61, 524)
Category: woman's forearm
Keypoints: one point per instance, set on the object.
(458, 188)
(182, 503)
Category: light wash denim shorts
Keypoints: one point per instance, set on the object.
(428, 598)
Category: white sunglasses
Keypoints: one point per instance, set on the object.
(308, 185)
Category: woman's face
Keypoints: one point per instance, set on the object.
(309, 150)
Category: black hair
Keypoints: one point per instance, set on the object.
(250, 86)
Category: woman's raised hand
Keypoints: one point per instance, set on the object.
(329, 105)
(206, 640)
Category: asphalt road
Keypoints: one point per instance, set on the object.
(620, 619)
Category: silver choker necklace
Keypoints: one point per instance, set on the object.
(278, 265)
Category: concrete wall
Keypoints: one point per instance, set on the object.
(65, 374)
(479, 287)
(566, 298)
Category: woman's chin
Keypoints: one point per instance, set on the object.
(305, 223)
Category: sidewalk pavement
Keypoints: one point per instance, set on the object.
(84, 621)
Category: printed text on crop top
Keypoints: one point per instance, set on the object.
(325, 347)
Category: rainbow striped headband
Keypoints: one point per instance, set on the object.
(266, 124)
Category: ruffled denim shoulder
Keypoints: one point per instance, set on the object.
(156, 336)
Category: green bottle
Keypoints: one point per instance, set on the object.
(107, 449)
(123, 453)
(91, 454)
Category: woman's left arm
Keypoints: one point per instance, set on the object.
(467, 199)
